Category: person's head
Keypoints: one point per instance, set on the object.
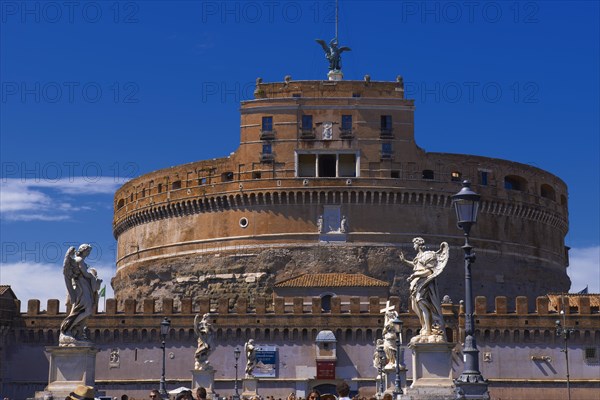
(201, 393)
(154, 394)
(82, 392)
(314, 395)
(387, 396)
(124, 397)
(343, 389)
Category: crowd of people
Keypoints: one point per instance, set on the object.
(343, 393)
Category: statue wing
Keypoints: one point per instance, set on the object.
(70, 270)
(323, 45)
(344, 48)
(442, 256)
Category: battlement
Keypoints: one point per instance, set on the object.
(544, 306)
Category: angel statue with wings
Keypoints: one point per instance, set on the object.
(333, 53)
(82, 293)
(424, 298)
(204, 331)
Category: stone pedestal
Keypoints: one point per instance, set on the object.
(206, 379)
(250, 387)
(390, 380)
(335, 75)
(432, 371)
(69, 368)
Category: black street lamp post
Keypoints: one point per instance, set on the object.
(236, 354)
(165, 325)
(470, 384)
(397, 384)
(565, 333)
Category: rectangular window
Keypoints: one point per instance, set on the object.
(346, 122)
(267, 124)
(483, 178)
(386, 124)
(386, 149)
(266, 149)
(307, 165)
(347, 165)
(307, 122)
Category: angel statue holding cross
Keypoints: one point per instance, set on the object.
(425, 302)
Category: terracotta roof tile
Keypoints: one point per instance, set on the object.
(555, 299)
(332, 280)
(4, 289)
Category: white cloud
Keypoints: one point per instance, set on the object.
(45, 281)
(50, 200)
(584, 269)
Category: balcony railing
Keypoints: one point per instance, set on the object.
(386, 132)
(346, 134)
(267, 135)
(267, 157)
(386, 156)
(307, 133)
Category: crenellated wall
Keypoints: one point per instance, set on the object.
(264, 318)
(517, 343)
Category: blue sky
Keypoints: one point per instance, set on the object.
(94, 93)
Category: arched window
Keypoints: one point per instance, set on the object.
(514, 182)
(428, 174)
(548, 192)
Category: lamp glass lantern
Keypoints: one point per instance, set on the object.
(397, 325)
(466, 204)
(236, 353)
(165, 325)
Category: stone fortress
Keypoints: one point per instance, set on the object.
(328, 181)
(328, 177)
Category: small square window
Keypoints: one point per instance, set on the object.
(386, 149)
(267, 124)
(266, 149)
(455, 176)
(395, 174)
(256, 175)
(355, 94)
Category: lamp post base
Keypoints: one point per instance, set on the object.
(471, 387)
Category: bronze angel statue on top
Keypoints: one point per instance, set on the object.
(424, 298)
(333, 53)
(82, 293)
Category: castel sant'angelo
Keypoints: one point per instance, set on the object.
(328, 177)
(294, 241)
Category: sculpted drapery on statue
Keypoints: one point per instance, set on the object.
(250, 349)
(424, 298)
(389, 339)
(204, 331)
(82, 292)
